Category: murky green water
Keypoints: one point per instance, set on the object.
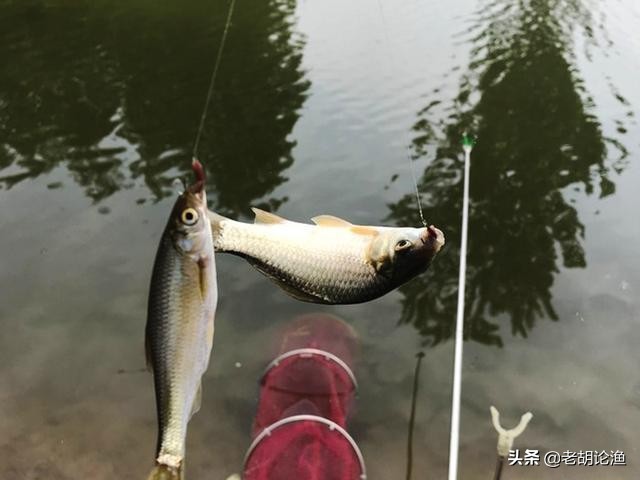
(316, 107)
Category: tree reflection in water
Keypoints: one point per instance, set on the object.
(537, 135)
(114, 93)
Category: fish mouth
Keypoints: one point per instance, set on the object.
(433, 237)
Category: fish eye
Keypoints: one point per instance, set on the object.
(403, 244)
(189, 216)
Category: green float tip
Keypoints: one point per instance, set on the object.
(468, 140)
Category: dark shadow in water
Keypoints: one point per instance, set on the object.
(113, 91)
(524, 100)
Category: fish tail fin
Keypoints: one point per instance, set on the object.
(165, 472)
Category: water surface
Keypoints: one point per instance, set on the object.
(317, 107)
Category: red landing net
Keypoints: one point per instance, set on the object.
(306, 395)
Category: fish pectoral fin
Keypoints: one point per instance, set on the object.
(330, 221)
(266, 217)
(202, 276)
(197, 401)
(382, 267)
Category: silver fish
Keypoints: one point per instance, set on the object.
(179, 332)
(331, 262)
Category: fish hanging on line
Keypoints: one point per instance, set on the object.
(331, 262)
(180, 323)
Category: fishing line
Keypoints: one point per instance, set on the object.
(212, 82)
(413, 175)
(454, 438)
(415, 186)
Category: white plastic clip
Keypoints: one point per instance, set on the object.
(506, 437)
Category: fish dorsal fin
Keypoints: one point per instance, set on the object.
(364, 230)
(330, 221)
(266, 217)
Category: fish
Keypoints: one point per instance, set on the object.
(183, 296)
(332, 261)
